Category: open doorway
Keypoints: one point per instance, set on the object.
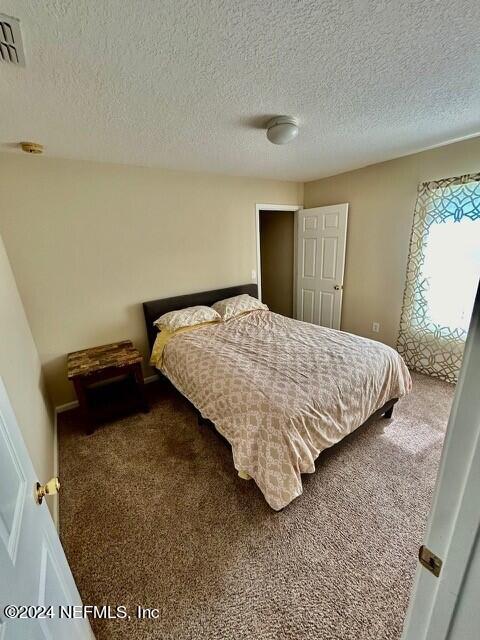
(276, 264)
(301, 261)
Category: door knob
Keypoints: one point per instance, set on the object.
(338, 287)
(50, 489)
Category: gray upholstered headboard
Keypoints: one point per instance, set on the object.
(155, 308)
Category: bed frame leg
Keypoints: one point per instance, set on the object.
(388, 413)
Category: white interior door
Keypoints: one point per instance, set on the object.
(321, 240)
(33, 569)
(447, 606)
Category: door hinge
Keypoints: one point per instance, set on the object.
(429, 560)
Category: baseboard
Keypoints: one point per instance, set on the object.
(55, 505)
(66, 407)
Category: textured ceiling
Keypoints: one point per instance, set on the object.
(187, 84)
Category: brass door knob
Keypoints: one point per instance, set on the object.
(50, 489)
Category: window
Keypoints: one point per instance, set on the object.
(442, 276)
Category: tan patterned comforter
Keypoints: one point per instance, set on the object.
(281, 391)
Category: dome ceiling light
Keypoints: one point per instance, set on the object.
(282, 129)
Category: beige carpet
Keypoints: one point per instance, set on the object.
(153, 514)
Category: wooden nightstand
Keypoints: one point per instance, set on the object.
(118, 363)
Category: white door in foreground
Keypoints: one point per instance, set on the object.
(34, 573)
(445, 603)
(321, 240)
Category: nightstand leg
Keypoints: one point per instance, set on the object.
(138, 373)
(83, 402)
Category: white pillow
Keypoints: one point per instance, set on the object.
(236, 306)
(187, 317)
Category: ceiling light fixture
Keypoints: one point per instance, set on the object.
(282, 129)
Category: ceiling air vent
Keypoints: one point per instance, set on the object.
(11, 48)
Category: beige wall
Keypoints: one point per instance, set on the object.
(21, 373)
(89, 242)
(382, 199)
(277, 234)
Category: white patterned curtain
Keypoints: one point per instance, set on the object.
(442, 276)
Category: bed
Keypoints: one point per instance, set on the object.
(279, 390)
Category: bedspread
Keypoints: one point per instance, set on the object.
(281, 391)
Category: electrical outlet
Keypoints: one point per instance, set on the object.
(254, 275)
(375, 327)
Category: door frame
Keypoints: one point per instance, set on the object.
(294, 208)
